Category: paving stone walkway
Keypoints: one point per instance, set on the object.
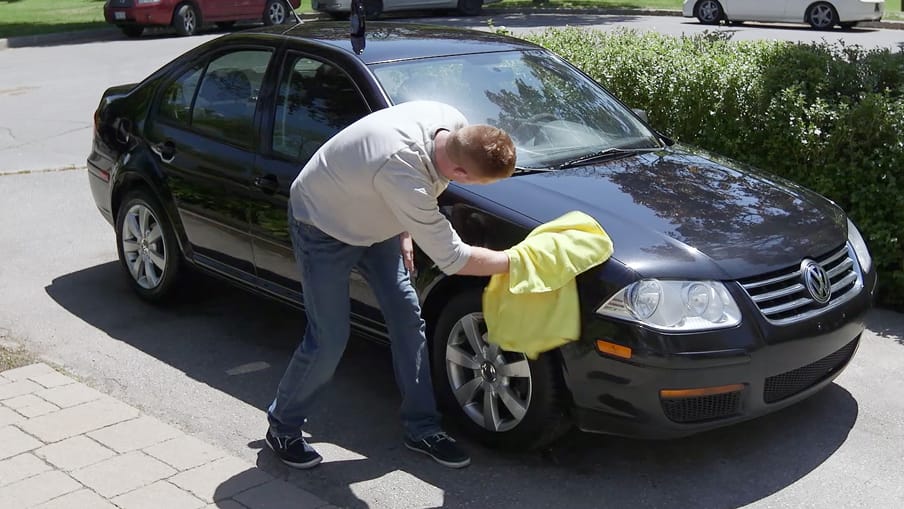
(66, 445)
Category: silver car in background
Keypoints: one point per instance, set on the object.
(340, 9)
(819, 14)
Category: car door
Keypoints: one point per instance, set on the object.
(212, 10)
(313, 99)
(249, 9)
(199, 134)
(760, 10)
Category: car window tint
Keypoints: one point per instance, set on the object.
(175, 105)
(228, 94)
(316, 100)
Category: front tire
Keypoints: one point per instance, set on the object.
(276, 13)
(822, 16)
(500, 398)
(147, 247)
(373, 9)
(470, 7)
(186, 20)
(709, 12)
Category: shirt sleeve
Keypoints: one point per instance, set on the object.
(408, 195)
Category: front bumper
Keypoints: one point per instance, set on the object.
(761, 368)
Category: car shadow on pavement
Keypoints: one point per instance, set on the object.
(239, 343)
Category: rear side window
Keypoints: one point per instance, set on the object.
(175, 105)
(315, 101)
(227, 96)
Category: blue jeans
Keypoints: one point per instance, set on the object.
(326, 264)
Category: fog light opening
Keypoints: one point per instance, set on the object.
(700, 391)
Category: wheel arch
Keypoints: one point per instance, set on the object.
(447, 287)
(130, 178)
(440, 292)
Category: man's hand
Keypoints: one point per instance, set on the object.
(407, 252)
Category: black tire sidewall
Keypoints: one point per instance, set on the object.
(834, 16)
(179, 20)
(716, 21)
(173, 257)
(373, 9)
(270, 22)
(470, 7)
(545, 419)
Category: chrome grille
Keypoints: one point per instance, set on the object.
(783, 298)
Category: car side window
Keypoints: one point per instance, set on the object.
(315, 101)
(227, 96)
(175, 104)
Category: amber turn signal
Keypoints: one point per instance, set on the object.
(612, 349)
(702, 391)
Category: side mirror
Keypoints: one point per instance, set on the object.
(641, 113)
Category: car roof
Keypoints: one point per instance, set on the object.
(387, 41)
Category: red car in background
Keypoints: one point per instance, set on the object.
(186, 16)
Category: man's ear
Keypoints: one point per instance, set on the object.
(460, 173)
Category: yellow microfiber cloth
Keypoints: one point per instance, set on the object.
(534, 308)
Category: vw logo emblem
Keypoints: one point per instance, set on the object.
(817, 281)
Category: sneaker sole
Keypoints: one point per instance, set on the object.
(450, 464)
(302, 466)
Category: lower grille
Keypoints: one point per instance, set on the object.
(787, 384)
(702, 408)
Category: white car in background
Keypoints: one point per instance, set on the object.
(820, 14)
(373, 8)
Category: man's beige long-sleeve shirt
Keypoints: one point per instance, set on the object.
(376, 179)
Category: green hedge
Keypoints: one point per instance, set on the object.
(827, 116)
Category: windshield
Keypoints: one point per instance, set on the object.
(553, 113)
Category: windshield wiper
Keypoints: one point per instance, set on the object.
(603, 155)
(521, 170)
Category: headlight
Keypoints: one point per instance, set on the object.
(675, 306)
(857, 242)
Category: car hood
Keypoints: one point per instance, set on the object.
(684, 213)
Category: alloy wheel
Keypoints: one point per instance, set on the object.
(709, 11)
(492, 386)
(277, 13)
(822, 16)
(143, 246)
(189, 21)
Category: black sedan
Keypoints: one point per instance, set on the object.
(731, 293)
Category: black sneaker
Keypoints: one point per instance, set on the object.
(442, 448)
(294, 451)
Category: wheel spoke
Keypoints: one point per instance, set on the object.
(491, 419)
(134, 228)
(155, 234)
(158, 260)
(129, 246)
(511, 402)
(465, 393)
(472, 332)
(518, 369)
(135, 267)
(151, 273)
(143, 220)
(457, 356)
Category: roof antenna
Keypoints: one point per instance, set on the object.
(356, 18)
